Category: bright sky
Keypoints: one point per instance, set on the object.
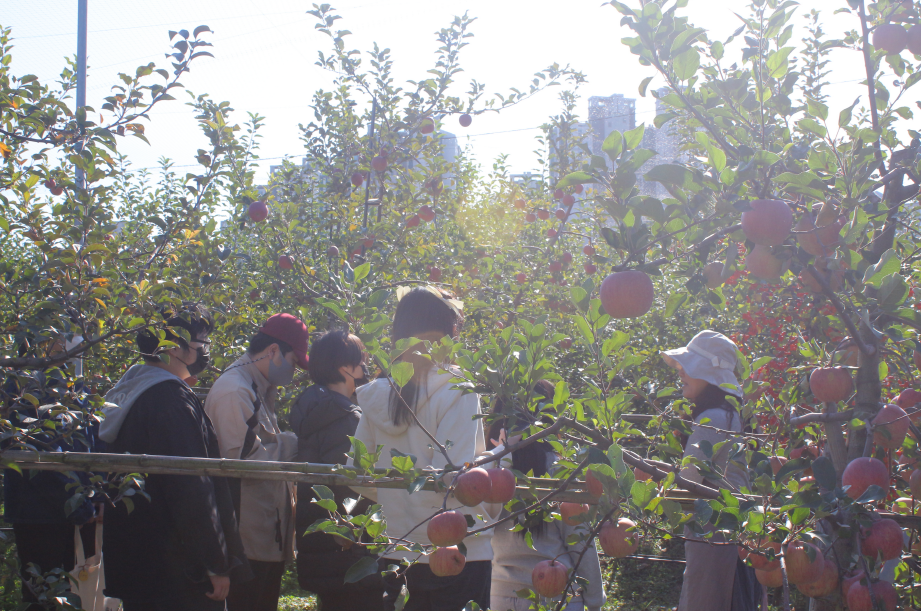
(265, 52)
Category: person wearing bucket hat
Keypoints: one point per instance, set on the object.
(714, 577)
(241, 405)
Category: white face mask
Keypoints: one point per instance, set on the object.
(280, 375)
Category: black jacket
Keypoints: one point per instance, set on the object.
(323, 421)
(41, 497)
(165, 546)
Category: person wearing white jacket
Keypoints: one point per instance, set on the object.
(449, 414)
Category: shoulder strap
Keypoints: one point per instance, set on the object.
(250, 440)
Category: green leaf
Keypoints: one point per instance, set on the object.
(671, 174)
(613, 145)
(686, 64)
(824, 472)
(644, 84)
(362, 271)
(633, 137)
(686, 37)
(817, 109)
(323, 492)
(575, 178)
(642, 494)
(674, 301)
(402, 373)
(778, 63)
(365, 567)
(616, 458)
(888, 264)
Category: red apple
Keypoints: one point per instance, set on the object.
(503, 485)
(57, 190)
(573, 514)
(914, 483)
(427, 126)
(254, 294)
(593, 484)
(558, 194)
(890, 426)
(768, 223)
(590, 268)
(800, 568)
(447, 561)
(358, 178)
(520, 203)
(883, 537)
(258, 211)
(543, 214)
(769, 579)
(379, 163)
(589, 250)
(434, 275)
(426, 213)
(713, 274)
(762, 264)
(834, 277)
(863, 472)
(831, 384)
(777, 462)
(368, 242)
(640, 475)
(560, 214)
(549, 578)
(447, 528)
(825, 585)
(904, 504)
(566, 258)
(568, 200)
(858, 596)
(472, 487)
(914, 39)
(285, 262)
(891, 38)
(759, 558)
(566, 343)
(821, 241)
(627, 294)
(465, 120)
(555, 266)
(908, 398)
(413, 221)
(332, 252)
(50, 184)
(551, 233)
(618, 540)
(850, 579)
(521, 278)
(578, 189)
(529, 217)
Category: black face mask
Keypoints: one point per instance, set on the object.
(365, 374)
(201, 362)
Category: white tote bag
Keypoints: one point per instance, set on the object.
(90, 577)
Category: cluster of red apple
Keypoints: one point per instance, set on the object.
(54, 187)
(618, 539)
(425, 213)
(447, 529)
(812, 573)
(893, 38)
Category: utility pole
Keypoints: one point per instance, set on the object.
(81, 71)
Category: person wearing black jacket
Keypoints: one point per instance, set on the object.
(179, 549)
(324, 417)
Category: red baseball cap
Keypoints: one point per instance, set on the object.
(292, 331)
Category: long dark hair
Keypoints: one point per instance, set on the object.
(712, 397)
(419, 312)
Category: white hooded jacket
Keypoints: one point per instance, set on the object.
(449, 414)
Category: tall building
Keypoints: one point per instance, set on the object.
(605, 115)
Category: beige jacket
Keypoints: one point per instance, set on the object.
(266, 507)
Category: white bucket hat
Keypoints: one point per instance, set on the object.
(709, 356)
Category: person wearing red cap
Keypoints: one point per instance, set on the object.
(241, 405)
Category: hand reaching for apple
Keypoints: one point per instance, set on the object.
(220, 586)
(504, 439)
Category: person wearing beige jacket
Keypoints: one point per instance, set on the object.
(241, 405)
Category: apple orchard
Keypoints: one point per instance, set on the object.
(792, 228)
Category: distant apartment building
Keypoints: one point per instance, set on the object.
(617, 112)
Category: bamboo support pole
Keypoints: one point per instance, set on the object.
(310, 473)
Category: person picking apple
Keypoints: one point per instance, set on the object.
(714, 577)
